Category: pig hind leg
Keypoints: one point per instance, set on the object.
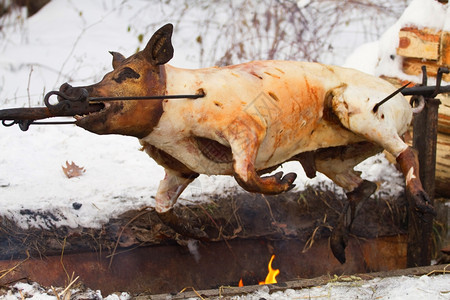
(337, 163)
(409, 165)
(380, 128)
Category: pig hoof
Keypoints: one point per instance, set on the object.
(270, 185)
(284, 183)
(288, 181)
(338, 242)
(278, 176)
(281, 183)
(362, 192)
(358, 195)
(290, 187)
(181, 226)
(422, 204)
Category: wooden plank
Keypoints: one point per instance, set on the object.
(443, 165)
(423, 43)
(444, 112)
(444, 115)
(444, 55)
(413, 66)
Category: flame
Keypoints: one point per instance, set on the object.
(270, 278)
(272, 273)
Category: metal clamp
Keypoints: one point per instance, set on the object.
(68, 105)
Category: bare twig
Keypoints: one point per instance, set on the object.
(28, 86)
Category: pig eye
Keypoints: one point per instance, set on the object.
(126, 73)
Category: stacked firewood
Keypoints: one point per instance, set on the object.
(431, 48)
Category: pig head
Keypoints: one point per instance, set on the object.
(138, 75)
(253, 117)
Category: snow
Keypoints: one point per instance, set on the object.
(380, 57)
(393, 288)
(34, 291)
(446, 26)
(418, 14)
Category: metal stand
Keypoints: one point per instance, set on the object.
(420, 227)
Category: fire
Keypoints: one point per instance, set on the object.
(272, 273)
(270, 278)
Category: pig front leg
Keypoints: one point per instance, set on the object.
(170, 188)
(245, 139)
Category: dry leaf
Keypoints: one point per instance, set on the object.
(72, 170)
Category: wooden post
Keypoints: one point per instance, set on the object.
(420, 227)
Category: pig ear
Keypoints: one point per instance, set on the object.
(159, 49)
(117, 59)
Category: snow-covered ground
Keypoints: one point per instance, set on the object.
(392, 288)
(68, 41)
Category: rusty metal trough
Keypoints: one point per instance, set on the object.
(151, 259)
(169, 269)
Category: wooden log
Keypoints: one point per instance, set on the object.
(425, 46)
(444, 57)
(444, 114)
(413, 66)
(443, 165)
(419, 43)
